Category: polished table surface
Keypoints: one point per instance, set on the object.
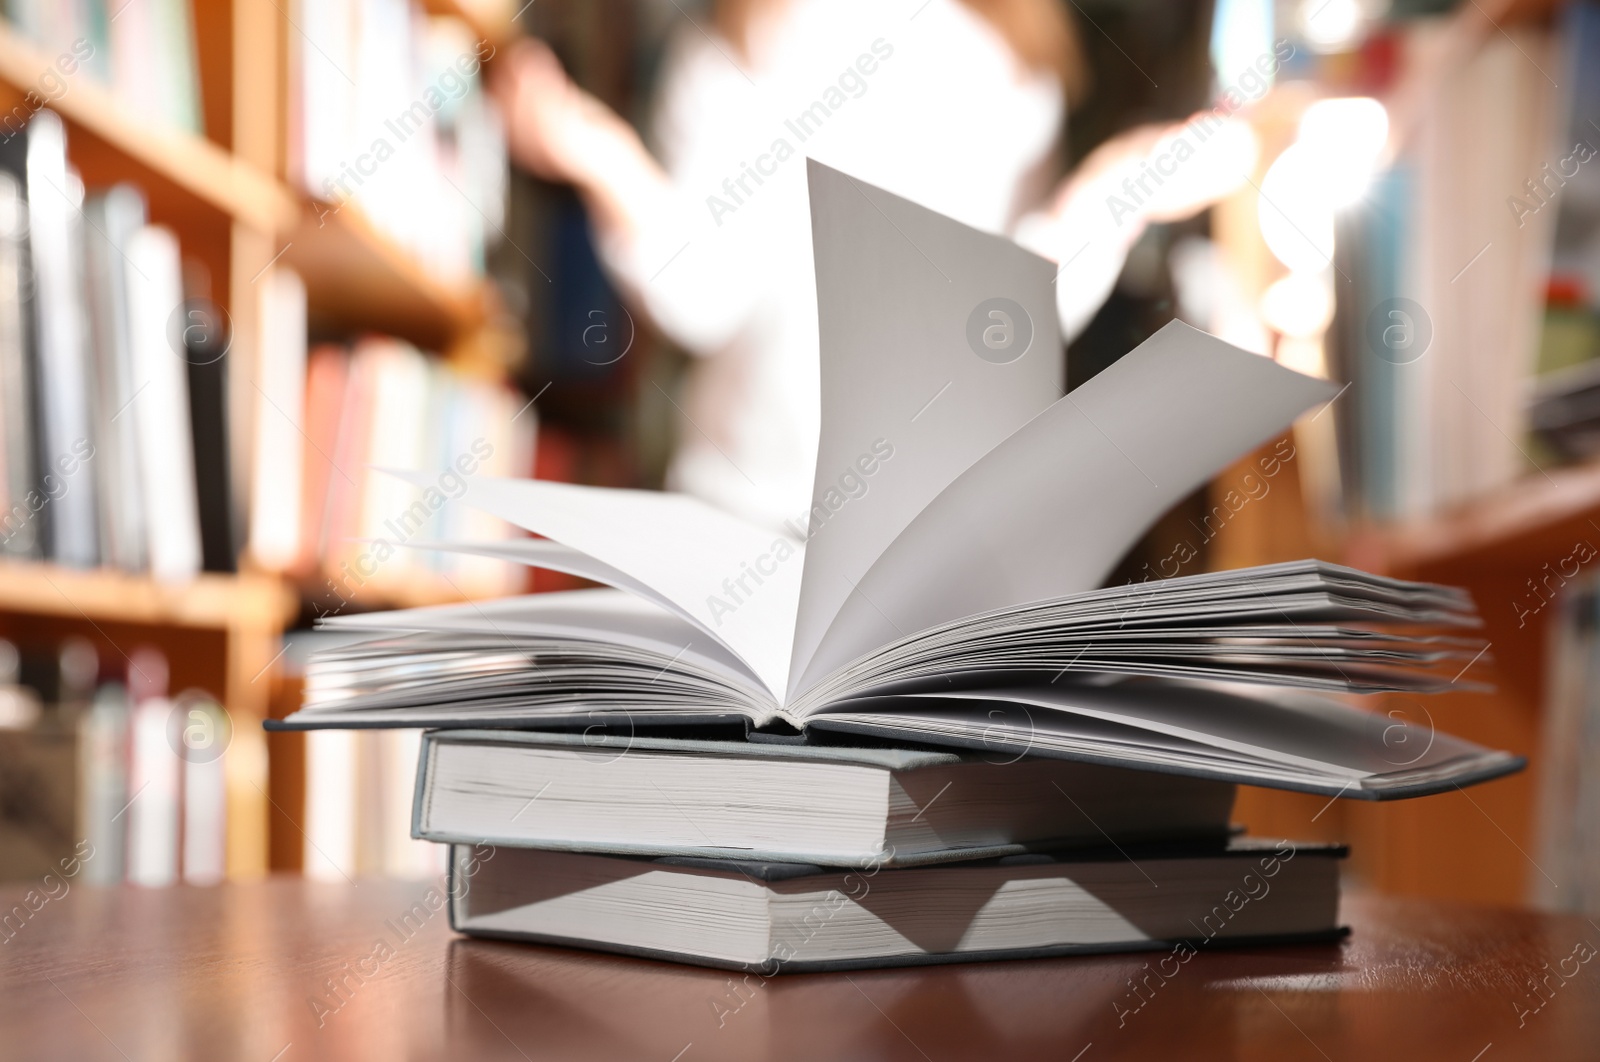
(244, 972)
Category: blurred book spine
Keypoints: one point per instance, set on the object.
(103, 761)
(155, 776)
(162, 410)
(280, 426)
(359, 788)
(387, 111)
(113, 217)
(19, 500)
(55, 205)
(202, 342)
(202, 736)
(1568, 819)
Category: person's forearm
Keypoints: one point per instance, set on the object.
(1100, 211)
(621, 184)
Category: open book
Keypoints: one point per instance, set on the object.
(945, 586)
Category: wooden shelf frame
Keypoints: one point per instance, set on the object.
(355, 276)
(1541, 516)
(490, 20)
(209, 602)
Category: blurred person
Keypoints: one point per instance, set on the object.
(956, 105)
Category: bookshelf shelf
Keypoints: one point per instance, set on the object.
(109, 143)
(357, 278)
(211, 601)
(1539, 518)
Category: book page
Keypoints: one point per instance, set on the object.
(937, 342)
(737, 581)
(1290, 729)
(553, 556)
(1050, 510)
(597, 616)
(1283, 739)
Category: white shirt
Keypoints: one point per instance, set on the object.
(928, 102)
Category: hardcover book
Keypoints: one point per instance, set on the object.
(834, 805)
(787, 917)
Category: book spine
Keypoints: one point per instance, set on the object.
(420, 787)
(166, 454)
(208, 423)
(111, 218)
(280, 428)
(19, 529)
(205, 792)
(65, 437)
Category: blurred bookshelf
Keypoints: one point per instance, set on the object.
(1381, 483)
(224, 183)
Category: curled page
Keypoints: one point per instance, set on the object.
(937, 341)
(1050, 510)
(738, 581)
(553, 556)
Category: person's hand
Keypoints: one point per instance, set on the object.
(554, 128)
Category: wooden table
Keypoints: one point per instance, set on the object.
(243, 972)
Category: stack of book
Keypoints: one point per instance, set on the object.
(775, 857)
(911, 725)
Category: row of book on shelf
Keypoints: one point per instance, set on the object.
(116, 442)
(387, 110)
(358, 790)
(386, 105)
(102, 763)
(351, 529)
(142, 50)
(1565, 400)
(1467, 293)
(113, 375)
